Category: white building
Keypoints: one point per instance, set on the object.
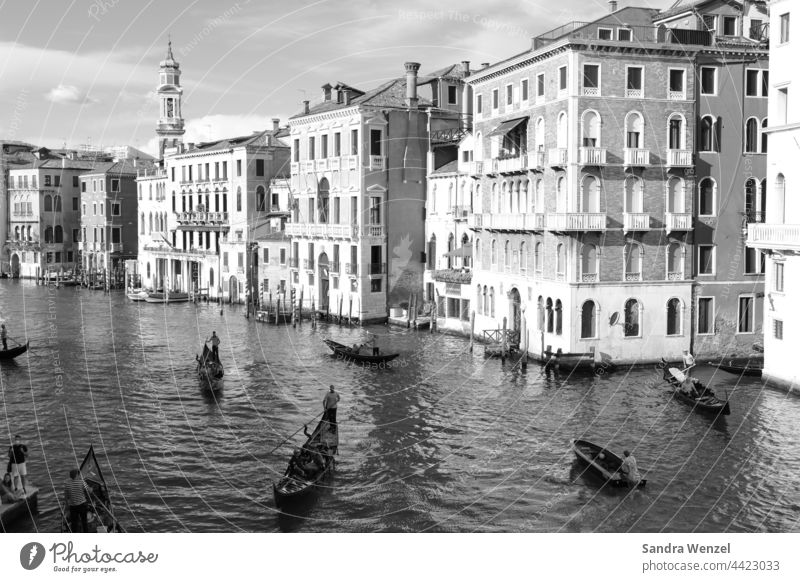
(779, 235)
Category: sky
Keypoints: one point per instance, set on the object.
(85, 72)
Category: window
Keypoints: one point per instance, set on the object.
(588, 320)
(624, 34)
(634, 130)
(239, 199)
(709, 134)
(116, 235)
(559, 317)
(225, 170)
(751, 135)
(282, 257)
(705, 259)
(674, 316)
(632, 326)
(633, 262)
(634, 86)
(353, 142)
(675, 253)
(296, 151)
(57, 182)
(509, 94)
(259, 168)
(757, 83)
(764, 136)
(524, 89)
(48, 203)
(729, 25)
(115, 185)
(708, 80)
(76, 235)
(782, 108)
(777, 329)
(376, 285)
(375, 137)
(479, 104)
(116, 209)
(591, 80)
(238, 168)
(562, 78)
(677, 84)
(240, 260)
(266, 256)
(452, 95)
(676, 140)
(706, 195)
(495, 98)
(589, 264)
(337, 144)
(540, 86)
(48, 180)
(777, 281)
(746, 314)
(323, 146)
(83, 189)
(710, 22)
(784, 31)
(604, 33)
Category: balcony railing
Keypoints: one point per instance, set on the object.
(512, 222)
(377, 268)
(319, 230)
(754, 216)
(351, 269)
(634, 93)
(569, 221)
(475, 168)
(294, 168)
(322, 165)
(452, 276)
(774, 236)
(675, 276)
(633, 276)
(591, 91)
(377, 162)
(634, 221)
(308, 264)
(589, 156)
(635, 157)
(557, 157)
(202, 218)
(115, 247)
(679, 158)
(589, 278)
(373, 230)
(510, 165)
(677, 221)
(335, 164)
(536, 160)
(676, 95)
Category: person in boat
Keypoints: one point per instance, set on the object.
(373, 343)
(687, 387)
(296, 464)
(214, 339)
(76, 498)
(688, 361)
(629, 469)
(7, 494)
(329, 404)
(355, 349)
(4, 336)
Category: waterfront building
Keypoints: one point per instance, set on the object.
(358, 177)
(13, 154)
(271, 258)
(109, 220)
(729, 173)
(778, 235)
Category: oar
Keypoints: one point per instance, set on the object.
(294, 433)
(30, 349)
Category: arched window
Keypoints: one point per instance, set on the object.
(141, 223)
(239, 199)
(632, 325)
(48, 203)
(495, 202)
(709, 138)
(151, 191)
(48, 234)
(590, 129)
(491, 302)
(764, 136)
(588, 320)
(706, 195)
(750, 200)
(589, 258)
(633, 262)
(150, 223)
(676, 132)
(433, 198)
(561, 133)
(539, 134)
(538, 200)
(561, 261)
(537, 257)
(16, 233)
(523, 257)
(674, 312)
(762, 199)
(494, 252)
(480, 303)
(540, 313)
(261, 199)
(590, 194)
(675, 253)
(675, 195)
(140, 191)
(59, 234)
(559, 317)
(504, 198)
(450, 197)
(451, 246)
(432, 252)
(486, 300)
(634, 130)
(550, 319)
(561, 194)
(507, 255)
(751, 136)
(57, 203)
(634, 194)
(780, 199)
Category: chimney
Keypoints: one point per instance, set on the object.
(305, 107)
(612, 5)
(346, 96)
(484, 65)
(411, 84)
(326, 92)
(276, 123)
(465, 67)
(191, 145)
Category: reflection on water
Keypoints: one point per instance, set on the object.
(443, 441)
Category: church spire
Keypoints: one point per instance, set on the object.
(170, 121)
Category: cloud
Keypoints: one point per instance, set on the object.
(68, 94)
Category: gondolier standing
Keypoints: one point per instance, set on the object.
(16, 458)
(688, 360)
(214, 339)
(329, 403)
(76, 498)
(4, 336)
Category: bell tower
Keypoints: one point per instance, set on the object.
(170, 121)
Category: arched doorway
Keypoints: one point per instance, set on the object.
(324, 273)
(233, 290)
(514, 310)
(15, 265)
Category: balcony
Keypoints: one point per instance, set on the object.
(202, 218)
(557, 157)
(589, 278)
(536, 160)
(377, 162)
(115, 247)
(474, 168)
(676, 95)
(308, 264)
(293, 262)
(774, 236)
(453, 276)
(335, 267)
(633, 276)
(677, 221)
(373, 230)
(674, 276)
(636, 221)
(589, 156)
(634, 93)
(319, 230)
(351, 269)
(752, 216)
(576, 221)
(509, 222)
(460, 212)
(512, 165)
(635, 157)
(679, 158)
(377, 268)
(321, 165)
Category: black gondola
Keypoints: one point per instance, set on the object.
(741, 366)
(707, 401)
(322, 444)
(603, 463)
(369, 356)
(12, 353)
(101, 511)
(209, 370)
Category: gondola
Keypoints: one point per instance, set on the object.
(292, 487)
(706, 402)
(168, 297)
(742, 366)
(19, 509)
(209, 370)
(101, 517)
(137, 295)
(344, 352)
(602, 462)
(12, 353)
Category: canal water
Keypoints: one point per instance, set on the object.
(444, 440)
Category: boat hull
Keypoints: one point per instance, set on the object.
(12, 353)
(12, 512)
(292, 489)
(742, 366)
(343, 352)
(706, 404)
(606, 469)
(167, 297)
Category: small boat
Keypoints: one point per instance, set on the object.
(209, 370)
(742, 366)
(12, 353)
(602, 462)
(101, 518)
(594, 362)
(369, 356)
(324, 443)
(137, 295)
(168, 297)
(705, 402)
(21, 508)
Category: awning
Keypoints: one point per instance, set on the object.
(507, 126)
(461, 252)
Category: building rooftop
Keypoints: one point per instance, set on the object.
(258, 138)
(448, 168)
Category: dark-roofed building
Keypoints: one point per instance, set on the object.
(13, 154)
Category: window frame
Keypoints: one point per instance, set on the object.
(541, 79)
(563, 76)
(524, 90)
(713, 311)
(713, 248)
(599, 79)
(625, 29)
(509, 95)
(602, 29)
(778, 277)
(777, 329)
(495, 99)
(784, 23)
(713, 197)
(670, 92)
(716, 81)
(752, 322)
(628, 93)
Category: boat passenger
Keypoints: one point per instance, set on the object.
(687, 387)
(295, 464)
(7, 494)
(356, 348)
(629, 470)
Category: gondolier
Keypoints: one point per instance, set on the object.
(214, 339)
(76, 498)
(688, 360)
(329, 403)
(17, 454)
(4, 336)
